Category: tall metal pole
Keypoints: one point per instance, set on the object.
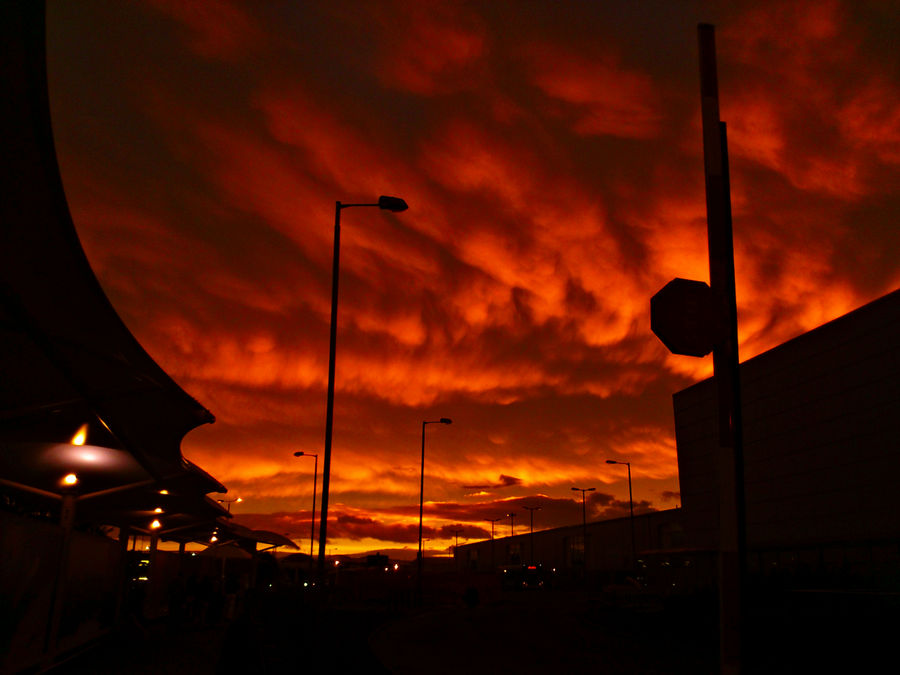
(732, 521)
(583, 492)
(312, 520)
(329, 409)
(493, 558)
(531, 510)
(419, 561)
(631, 509)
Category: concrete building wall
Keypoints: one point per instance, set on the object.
(821, 438)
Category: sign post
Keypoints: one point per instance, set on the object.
(692, 318)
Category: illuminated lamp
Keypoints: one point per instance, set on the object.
(163, 492)
(80, 436)
(157, 510)
(70, 479)
(155, 525)
(213, 539)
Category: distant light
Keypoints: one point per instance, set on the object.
(213, 539)
(193, 554)
(239, 499)
(396, 567)
(146, 548)
(163, 492)
(142, 578)
(385, 569)
(80, 436)
(305, 584)
(157, 510)
(155, 525)
(70, 479)
(337, 562)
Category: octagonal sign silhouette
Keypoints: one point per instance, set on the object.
(683, 317)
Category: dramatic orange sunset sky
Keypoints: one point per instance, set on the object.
(550, 153)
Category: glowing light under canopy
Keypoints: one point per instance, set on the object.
(80, 437)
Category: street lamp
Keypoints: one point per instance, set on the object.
(531, 510)
(443, 420)
(455, 547)
(512, 523)
(583, 523)
(631, 509)
(492, 521)
(456, 544)
(312, 519)
(229, 502)
(394, 204)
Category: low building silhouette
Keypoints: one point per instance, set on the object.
(822, 453)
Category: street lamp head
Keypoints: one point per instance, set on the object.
(299, 454)
(611, 461)
(394, 204)
(591, 489)
(576, 489)
(446, 420)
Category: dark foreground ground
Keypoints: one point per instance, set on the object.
(516, 632)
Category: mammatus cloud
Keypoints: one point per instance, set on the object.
(553, 168)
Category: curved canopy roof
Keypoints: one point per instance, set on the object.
(66, 357)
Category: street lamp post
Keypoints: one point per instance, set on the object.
(583, 523)
(631, 509)
(443, 420)
(455, 547)
(531, 510)
(512, 523)
(229, 502)
(492, 521)
(312, 520)
(394, 204)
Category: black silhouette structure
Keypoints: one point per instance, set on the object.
(90, 426)
(396, 205)
(692, 318)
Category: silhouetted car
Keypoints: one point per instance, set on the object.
(523, 577)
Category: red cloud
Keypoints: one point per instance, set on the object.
(219, 30)
(604, 97)
(428, 48)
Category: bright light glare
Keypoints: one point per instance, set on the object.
(163, 492)
(70, 479)
(80, 436)
(157, 510)
(155, 525)
(213, 539)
